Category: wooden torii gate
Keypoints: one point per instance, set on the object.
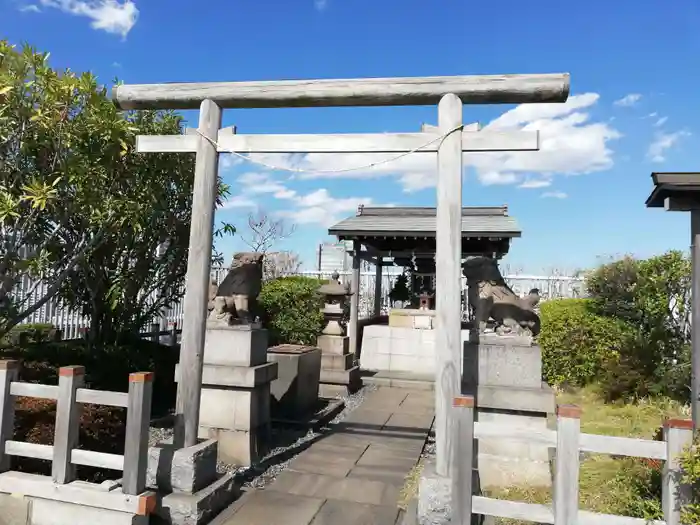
(449, 140)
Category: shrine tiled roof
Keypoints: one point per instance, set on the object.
(420, 222)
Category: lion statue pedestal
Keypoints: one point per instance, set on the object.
(235, 405)
(503, 370)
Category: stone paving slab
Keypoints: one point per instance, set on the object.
(383, 456)
(395, 475)
(357, 490)
(385, 399)
(408, 424)
(265, 507)
(417, 403)
(336, 512)
(330, 461)
(343, 439)
(367, 417)
(352, 475)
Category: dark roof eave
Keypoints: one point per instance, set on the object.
(414, 234)
(661, 192)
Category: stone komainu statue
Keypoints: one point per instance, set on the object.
(235, 299)
(490, 297)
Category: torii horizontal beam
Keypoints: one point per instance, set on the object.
(410, 91)
(473, 141)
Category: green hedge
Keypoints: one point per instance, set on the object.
(29, 333)
(106, 367)
(291, 310)
(576, 343)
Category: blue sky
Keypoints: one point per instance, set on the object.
(633, 109)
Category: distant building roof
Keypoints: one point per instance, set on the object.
(420, 222)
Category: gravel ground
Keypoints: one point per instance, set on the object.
(292, 442)
(434, 496)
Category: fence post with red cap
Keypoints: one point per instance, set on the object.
(70, 379)
(566, 475)
(138, 417)
(463, 413)
(8, 374)
(678, 435)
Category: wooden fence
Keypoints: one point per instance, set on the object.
(569, 442)
(69, 395)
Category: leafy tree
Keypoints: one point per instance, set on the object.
(652, 297)
(80, 210)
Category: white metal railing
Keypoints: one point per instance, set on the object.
(71, 324)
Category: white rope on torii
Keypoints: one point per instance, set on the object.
(450, 93)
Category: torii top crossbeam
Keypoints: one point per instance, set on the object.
(406, 91)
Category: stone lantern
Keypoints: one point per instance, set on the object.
(334, 306)
(339, 373)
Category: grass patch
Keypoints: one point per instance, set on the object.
(622, 486)
(410, 487)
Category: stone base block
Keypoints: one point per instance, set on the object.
(341, 382)
(16, 510)
(31, 499)
(331, 391)
(234, 408)
(342, 377)
(198, 508)
(503, 463)
(240, 447)
(181, 470)
(411, 318)
(47, 512)
(336, 362)
(295, 391)
(236, 376)
(333, 344)
(238, 345)
(502, 361)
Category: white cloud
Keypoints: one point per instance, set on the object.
(570, 144)
(663, 142)
(113, 16)
(554, 195)
(320, 5)
(535, 183)
(227, 161)
(30, 8)
(316, 207)
(238, 201)
(660, 122)
(628, 100)
(116, 65)
(319, 207)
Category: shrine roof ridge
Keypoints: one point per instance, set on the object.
(421, 222)
(423, 211)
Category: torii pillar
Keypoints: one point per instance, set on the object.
(681, 192)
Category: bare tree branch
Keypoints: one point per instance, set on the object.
(264, 232)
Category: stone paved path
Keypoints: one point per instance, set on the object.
(351, 476)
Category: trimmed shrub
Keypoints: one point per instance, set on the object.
(29, 333)
(106, 368)
(577, 343)
(291, 310)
